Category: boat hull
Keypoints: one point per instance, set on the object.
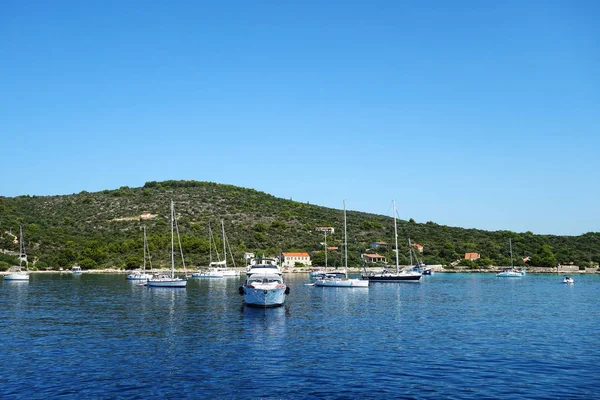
(171, 283)
(264, 297)
(350, 283)
(17, 277)
(207, 275)
(393, 278)
(139, 277)
(509, 275)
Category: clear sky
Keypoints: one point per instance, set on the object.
(478, 114)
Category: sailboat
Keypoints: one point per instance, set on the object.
(511, 272)
(142, 275)
(334, 280)
(399, 276)
(15, 273)
(169, 280)
(220, 267)
(212, 272)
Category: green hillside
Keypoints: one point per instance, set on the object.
(103, 229)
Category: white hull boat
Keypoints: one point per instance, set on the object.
(207, 274)
(511, 272)
(339, 278)
(17, 276)
(264, 285)
(336, 282)
(139, 276)
(264, 291)
(568, 280)
(164, 280)
(15, 273)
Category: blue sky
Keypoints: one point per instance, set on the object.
(473, 114)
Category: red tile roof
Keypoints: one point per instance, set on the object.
(301, 254)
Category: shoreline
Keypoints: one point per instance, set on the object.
(491, 270)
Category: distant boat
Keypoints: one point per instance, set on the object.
(511, 272)
(142, 275)
(218, 269)
(169, 280)
(568, 279)
(15, 273)
(340, 279)
(264, 285)
(76, 270)
(399, 276)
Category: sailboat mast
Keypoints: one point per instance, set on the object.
(345, 243)
(410, 251)
(325, 251)
(511, 257)
(396, 238)
(210, 240)
(224, 244)
(20, 244)
(172, 241)
(144, 265)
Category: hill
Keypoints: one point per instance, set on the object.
(103, 229)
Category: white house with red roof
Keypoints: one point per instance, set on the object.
(290, 259)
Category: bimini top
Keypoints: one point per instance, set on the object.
(263, 269)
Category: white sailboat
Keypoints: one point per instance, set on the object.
(142, 275)
(511, 272)
(335, 280)
(166, 280)
(16, 273)
(210, 272)
(220, 267)
(399, 276)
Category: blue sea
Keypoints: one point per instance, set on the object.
(458, 336)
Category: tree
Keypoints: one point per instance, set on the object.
(318, 259)
(544, 257)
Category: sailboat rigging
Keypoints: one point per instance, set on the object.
(333, 279)
(399, 276)
(16, 273)
(169, 280)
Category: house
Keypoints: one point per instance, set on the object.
(289, 260)
(248, 256)
(332, 248)
(373, 258)
(417, 247)
(376, 245)
(147, 215)
(472, 256)
(527, 259)
(327, 229)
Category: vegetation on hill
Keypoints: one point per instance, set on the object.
(104, 229)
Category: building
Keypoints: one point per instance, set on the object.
(248, 256)
(328, 229)
(377, 245)
(373, 258)
(472, 256)
(289, 260)
(417, 247)
(148, 215)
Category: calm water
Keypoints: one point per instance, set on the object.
(462, 336)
